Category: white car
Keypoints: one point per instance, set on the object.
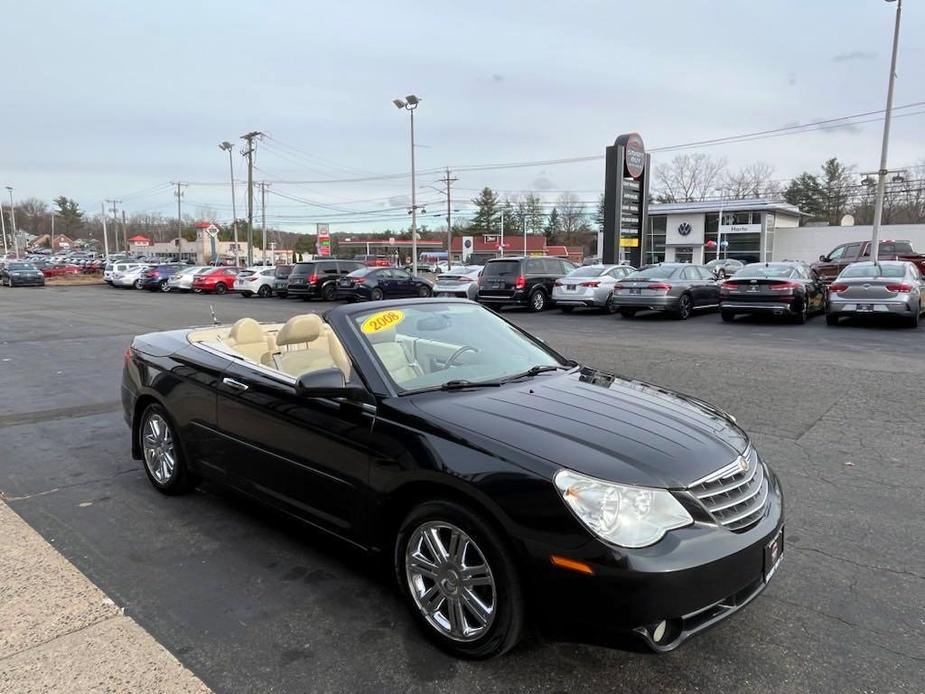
(182, 281)
(589, 286)
(128, 274)
(255, 280)
(461, 282)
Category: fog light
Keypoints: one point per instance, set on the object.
(659, 631)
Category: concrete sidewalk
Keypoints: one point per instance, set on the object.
(60, 633)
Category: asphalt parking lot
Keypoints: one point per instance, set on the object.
(254, 603)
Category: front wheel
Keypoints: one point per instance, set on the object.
(163, 458)
(163, 286)
(221, 288)
(460, 581)
(537, 301)
(683, 312)
(375, 294)
(139, 284)
(424, 291)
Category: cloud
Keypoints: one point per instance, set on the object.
(543, 182)
(853, 55)
(792, 79)
(497, 78)
(848, 128)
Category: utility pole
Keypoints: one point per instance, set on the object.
(263, 217)
(125, 233)
(501, 245)
(115, 222)
(227, 147)
(179, 193)
(51, 244)
(881, 174)
(105, 235)
(3, 231)
(448, 182)
(249, 153)
(13, 222)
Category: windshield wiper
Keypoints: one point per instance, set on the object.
(536, 370)
(458, 384)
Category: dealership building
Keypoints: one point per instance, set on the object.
(690, 232)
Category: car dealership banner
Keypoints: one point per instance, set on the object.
(324, 240)
(626, 199)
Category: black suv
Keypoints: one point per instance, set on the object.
(318, 278)
(521, 281)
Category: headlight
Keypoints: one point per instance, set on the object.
(621, 514)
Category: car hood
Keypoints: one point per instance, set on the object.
(608, 427)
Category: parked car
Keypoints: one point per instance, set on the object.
(373, 260)
(156, 277)
(255, 280)
(724, 267)
(318, 278)
(128, 274)
(377, 283)
(461, 282)
(888, 288)
(589, 286)
(60, 269)
(182, 279)
(406, 430)
(21, 274)
(789, 289)
(521, 281)
(831, 264)
(678, 288)
(281, 280)
(218, 280)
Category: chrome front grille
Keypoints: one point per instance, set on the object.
(736, 495)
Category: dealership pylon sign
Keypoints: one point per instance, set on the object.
(626, 199)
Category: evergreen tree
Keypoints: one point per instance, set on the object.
(487, 212)
(70, 213)
(806, 192)
(553, 225)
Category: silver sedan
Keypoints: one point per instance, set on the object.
(182, 281)
(890, 287)
(589, 286)
(678, 288)
(461, 282)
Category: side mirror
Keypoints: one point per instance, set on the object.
(824, 258)
(328, 383)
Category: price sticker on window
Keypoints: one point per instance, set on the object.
(382, 321)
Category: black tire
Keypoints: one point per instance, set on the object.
(163, 286)
(507, 623)
(802, 315)
(180, 480)
(566, 309)
(264, 291)
(424, 291)
(246, 295)
(913, 321)
(221, 288)
(375, 294)
(831, 318)
(627, 312)
(537, 301)
(139, 284)
(609, 308)
(685, 307)
(328, 292)
(727, 316)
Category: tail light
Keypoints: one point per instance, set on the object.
(359, 280)
(902, 287)
(520, 283)
(659, 286)
(783, 286)
(729, 285)
(312, 279)
(837, 287)
(591, 283)
(558, 283)
(619, 286)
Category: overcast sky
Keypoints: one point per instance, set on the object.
(113, 99)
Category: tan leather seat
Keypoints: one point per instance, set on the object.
(393, 356)
(248, 338)
(306, 346)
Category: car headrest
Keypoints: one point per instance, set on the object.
(298, 329)
(246, 331)
(381, 336)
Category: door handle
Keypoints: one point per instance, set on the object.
(235, 385)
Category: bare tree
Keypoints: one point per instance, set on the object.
(688, 177)
(750, 181)
(571, 214)
(33, 211)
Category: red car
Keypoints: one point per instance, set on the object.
(219, 280)
(374, 260)
(60, 269)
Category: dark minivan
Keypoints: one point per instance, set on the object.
(281, 280)
(318, 278)
(521, 281)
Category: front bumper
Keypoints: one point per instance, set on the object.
(897, 307)
(693, 578)
(652, 303)
(27, 281)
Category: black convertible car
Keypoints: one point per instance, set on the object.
(499, 478)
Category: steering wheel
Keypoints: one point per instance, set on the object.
(458, 353)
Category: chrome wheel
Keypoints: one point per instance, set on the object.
(450, 581)
(158, 446)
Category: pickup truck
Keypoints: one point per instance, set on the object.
(829, 266)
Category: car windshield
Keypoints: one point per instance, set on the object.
(762, 270)
(587, 271)
(874, 271)
(21, 266)
(653, 273)
(501, 268)
(434, 345)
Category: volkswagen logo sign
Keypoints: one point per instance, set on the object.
(684, 228)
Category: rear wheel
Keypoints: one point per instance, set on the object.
(609, 307)
(163, 286)
(375, 294)
(831, 319)
(727, 316)
(328, 292)
(914, 320)
(803, 314)
(424, 291)
(163, 457)
(537, 300)
(627, 312)
(264, 291)
(139, 284)
(683, 312)
(221, 288)
(460, 581)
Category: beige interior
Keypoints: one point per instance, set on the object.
(394, 357)
(304, 343)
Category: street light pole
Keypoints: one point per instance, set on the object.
(3, 231)
(13, 222)
(410, 103)
(227, 146)
(881, 174)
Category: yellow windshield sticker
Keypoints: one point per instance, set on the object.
(382, 321)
